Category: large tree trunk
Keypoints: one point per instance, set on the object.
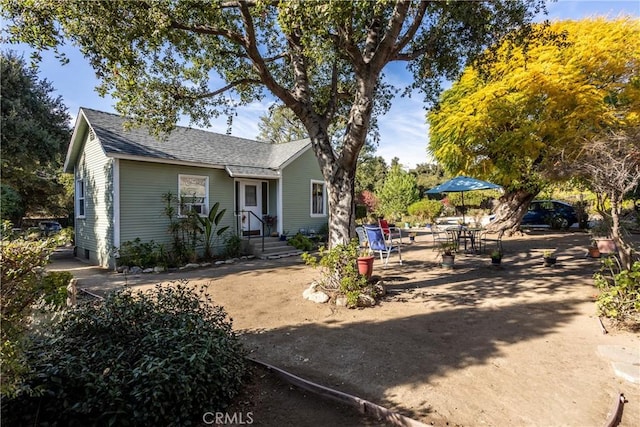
(513, 206)
(340, 189)
(625, 250)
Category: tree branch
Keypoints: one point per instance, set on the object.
(218, 91)
(413, 29)
(208, 30)
(386, 47)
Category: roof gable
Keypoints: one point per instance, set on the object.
(183, 145)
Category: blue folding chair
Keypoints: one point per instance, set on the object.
(378, 243)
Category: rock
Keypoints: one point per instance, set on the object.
(158, 269)
(341, 301)
(122, 269)
(219, 262)
(135, 270)
(147, 270)
(365, 300)
(230, 261)
(314, 295)
(192, 265)
(379, 289)
(205, 264)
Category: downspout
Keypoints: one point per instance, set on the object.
(116, 208)
(280, 211)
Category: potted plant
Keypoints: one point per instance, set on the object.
(496, 257)
(412, 237)
(594, 251)
(549, 257)
(283, 236)
(447, 250)
(365, 262)
(601, 237)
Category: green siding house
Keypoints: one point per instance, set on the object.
(121, 177)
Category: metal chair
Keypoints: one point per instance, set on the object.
(389, 231)
(485, 238)
(362, 238)
(439, 236)
(378, 243)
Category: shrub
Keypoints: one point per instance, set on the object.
(301, 242)
(137, 358)
(54, 287)
(138, 253)
(619, 297)
(340, 270)
(426, 209)
(232, 245)
(21, 274)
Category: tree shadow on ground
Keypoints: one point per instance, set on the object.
(370, 358)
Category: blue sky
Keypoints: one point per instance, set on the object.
(404, 133)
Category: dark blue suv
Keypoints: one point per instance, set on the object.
(550, 213)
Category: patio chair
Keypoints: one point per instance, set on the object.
(389, 231)
(378, 243)
(487, 237)
(362, 238)
(439, 236)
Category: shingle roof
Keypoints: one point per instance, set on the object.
(244, 156)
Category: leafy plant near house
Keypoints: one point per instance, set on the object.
(210, 227)
(137, 358)
(340, 271)
(179, 228)
(138, 253)
(619, 297)
(232, 245)
(301, 242)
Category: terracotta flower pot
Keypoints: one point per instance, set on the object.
(606, 246)
(594, 252)
(365, 266)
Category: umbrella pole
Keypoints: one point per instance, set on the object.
(462, 194)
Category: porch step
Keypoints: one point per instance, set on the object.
(274, 248)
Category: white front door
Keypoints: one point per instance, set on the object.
(251, 201)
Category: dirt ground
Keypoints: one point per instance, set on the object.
(473, 346)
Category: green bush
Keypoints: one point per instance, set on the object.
(426, 209)
(54, 287)
(232, 245)
(137, 358)
(139, 254)
(301, 242)
(619, 297)
(340, 270)
(21, 275)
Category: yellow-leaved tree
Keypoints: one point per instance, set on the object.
(515, 120)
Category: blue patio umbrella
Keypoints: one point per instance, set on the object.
(460, 184)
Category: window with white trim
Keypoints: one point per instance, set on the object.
(318, 198)
(194, 194)
(80, 197)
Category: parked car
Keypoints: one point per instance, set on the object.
(550, 213)
(48, 228)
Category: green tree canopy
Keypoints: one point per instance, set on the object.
(513, 122)
(35, 135)
(280, 125)
(323, 60)
(398, 191)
